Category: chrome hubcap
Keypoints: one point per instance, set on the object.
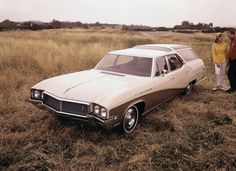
(130, 118)
(188, 88)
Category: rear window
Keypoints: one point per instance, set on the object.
(188, 54)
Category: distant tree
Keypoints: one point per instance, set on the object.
(199, 26)
(78, 24)
(8, 25)
(124, 27)
(185, 23)
(6, 21)
(162, 29)
(97, 23)
(85, 26)
(56, 24)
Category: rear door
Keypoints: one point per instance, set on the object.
(195, 66)
(178, 72)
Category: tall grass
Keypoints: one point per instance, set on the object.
(188, 133)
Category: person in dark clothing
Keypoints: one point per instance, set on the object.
(232, 62)
(172, 63)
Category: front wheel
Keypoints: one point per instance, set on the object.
(188, 89)
(130, 119)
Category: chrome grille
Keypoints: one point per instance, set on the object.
(76, 108)
(51, 102)
(65, 106)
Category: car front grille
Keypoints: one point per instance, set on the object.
(65, 106)
(52, 102)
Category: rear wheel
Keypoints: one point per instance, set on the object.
(130, 119)
(188, 89)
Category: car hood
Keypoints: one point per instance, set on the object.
(88, 86)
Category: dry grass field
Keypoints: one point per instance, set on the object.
(194, 132)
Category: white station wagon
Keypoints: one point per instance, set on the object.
(124, 85)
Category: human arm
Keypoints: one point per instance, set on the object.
(213, 53)
(226, 53)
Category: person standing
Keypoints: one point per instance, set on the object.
(219, 57)
(232, 62)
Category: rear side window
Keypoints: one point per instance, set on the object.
(188, 54)
(174, 62)
(161, 65)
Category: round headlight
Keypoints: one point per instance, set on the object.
(103, 112)
(96, 109)
(37, 94)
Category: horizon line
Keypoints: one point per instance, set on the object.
(234, 26)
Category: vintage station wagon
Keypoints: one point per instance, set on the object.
(124, 85)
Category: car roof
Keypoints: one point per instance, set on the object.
(138, 52)
(150, 50)
(162, 47)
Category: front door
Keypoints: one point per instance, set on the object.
(163, 85)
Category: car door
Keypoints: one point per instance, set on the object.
(178, 72)
(163, 87)
(194, 65)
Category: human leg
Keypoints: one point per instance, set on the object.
(217, 77)
(221, 77)
(232, 75)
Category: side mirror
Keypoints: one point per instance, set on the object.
(164, 72)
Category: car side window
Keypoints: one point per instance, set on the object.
(174, 62)
(188, 54)
(158, 73)
(162, 66)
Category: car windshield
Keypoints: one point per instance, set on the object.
(139, 66)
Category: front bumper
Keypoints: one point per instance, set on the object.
(107, 124)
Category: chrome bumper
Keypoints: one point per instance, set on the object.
(89, 118)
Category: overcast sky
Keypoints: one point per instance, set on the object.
(143, 12)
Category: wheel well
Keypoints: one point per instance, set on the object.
(141, 107)
(194, 81)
